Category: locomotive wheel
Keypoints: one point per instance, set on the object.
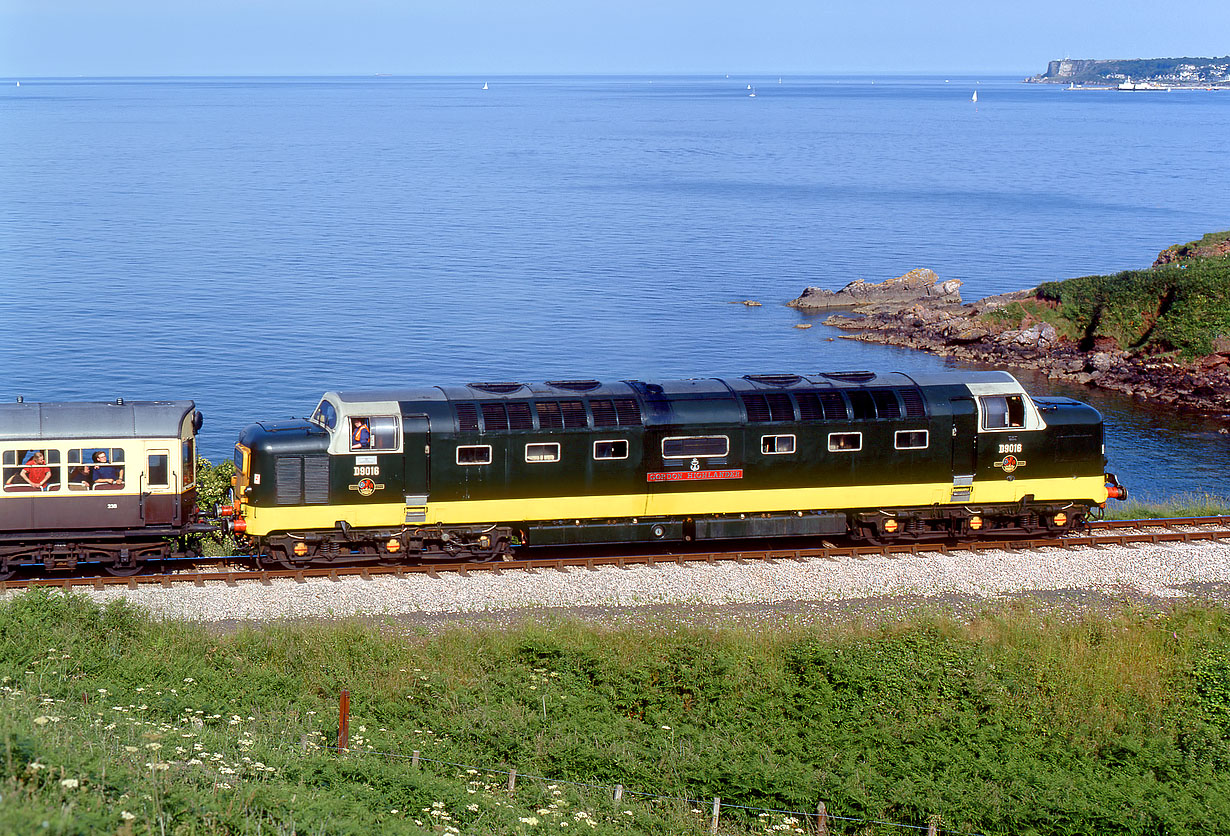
(8, 571)
(117, 571)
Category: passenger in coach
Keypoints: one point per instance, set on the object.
(34, 471)
(107, 475)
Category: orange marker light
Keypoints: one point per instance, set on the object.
(394, 545)
(1061, 518)
(890, 525)
(975, 522)
(300, 549)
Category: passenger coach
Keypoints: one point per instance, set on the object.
(112, 483)
(472, 471)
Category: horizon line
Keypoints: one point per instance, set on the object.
(639, 74)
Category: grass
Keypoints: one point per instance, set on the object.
(1181, 309)
(1011, 723)
(1181, 505)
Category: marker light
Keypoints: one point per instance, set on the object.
(394, 545)
(301, 548)
(890, 525)
(975, 522)
(1061, 519)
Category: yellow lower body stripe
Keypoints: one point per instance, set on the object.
(265, 520)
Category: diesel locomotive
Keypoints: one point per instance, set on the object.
(476, 471)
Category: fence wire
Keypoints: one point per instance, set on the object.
(802, 816)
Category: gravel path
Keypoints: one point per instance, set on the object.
(722, 592)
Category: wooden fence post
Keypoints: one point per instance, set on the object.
(619, 793)
(343, 722)
(822, 819)
(414, 759)
(933, 825)
(512, 780)
(717, 811)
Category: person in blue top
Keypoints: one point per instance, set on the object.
(106, 474)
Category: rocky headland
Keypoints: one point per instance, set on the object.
(1161, 335)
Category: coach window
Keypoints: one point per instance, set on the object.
(542, 452)
(776, 445)
(375, 432)
(96, 469)
(910, 440)
(474, 454)
(1003, 412)
(692, 446)
(31, 470)
(613, 449)
(845, 442)
(159, 469)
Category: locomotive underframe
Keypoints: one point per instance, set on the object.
(118, 553)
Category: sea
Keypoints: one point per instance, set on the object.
(253, 242)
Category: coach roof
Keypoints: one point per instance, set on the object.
(84, 419)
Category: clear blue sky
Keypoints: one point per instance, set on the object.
(491, 37)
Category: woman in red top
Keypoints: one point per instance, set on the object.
(35, 470)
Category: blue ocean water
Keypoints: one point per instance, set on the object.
(252, 242)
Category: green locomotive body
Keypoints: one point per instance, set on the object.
(472, 471)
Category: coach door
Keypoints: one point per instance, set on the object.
(158, 496)
(418, 459)
(964, 447)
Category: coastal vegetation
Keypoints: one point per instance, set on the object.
(1180, 308)
(1008, 722)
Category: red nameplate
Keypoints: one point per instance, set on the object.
(693, 475)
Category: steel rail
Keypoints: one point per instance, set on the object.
(565, 564)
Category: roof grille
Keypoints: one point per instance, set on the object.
(912, 398)
(773, 379)
(494, 416)
(497, 388)
(467, 417)
(575, 385)
(863, 407)
(604, 413)
(850, 377)
(757, 408)
(574, 414)
(629, 412)
(549, 417)
(780, 407)
(519, 417)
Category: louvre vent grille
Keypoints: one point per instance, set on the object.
(809, 407)
(467, 417)
(575, 385)
(549, 417)
(604, 413)
(628, 411)
(497, 388)
(757, 408)
(574, 414)
(773, 379)
(315, 480)
(913, 401)
(519, 417)
(780, 407)
(494, 417)
(861, 405)
(288, 471)
(851, 377)
(834, 406)
(886, 403)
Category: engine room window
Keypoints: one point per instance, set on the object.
(542, 452)
(772, 445)
(690, 446)
(325, 415)
(614, 449)
(96, 469)
(375, 432)
(31, 470)
(1003, 412)
(474, 454)
(845, 442)
(910, 440)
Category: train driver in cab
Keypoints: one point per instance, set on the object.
(360, 434)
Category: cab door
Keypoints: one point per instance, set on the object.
(417, 453)
(964, 447)
(159, 499)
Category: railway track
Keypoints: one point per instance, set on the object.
(1131, 533)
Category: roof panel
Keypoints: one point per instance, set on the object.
(83, 419)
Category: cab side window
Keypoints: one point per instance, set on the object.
(374, 432)
(1001, 412)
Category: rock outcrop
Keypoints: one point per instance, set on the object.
(918, 285)
(962, 333)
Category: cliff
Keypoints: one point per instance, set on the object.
(1191, 72)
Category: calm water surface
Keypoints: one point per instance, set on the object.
(252, 242)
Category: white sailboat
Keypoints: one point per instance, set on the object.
(749, 87)
(974, 98)
(485, 86)
(752, 94)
